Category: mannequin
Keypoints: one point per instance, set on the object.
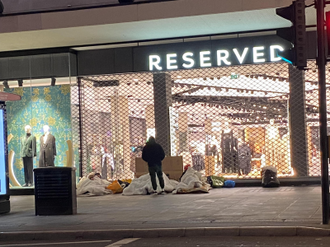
(105, 155)
(47, 148)
(244, 158)
(197, 157)
(285, 161)
(272, 144)
(28, 152)
(226, 129)
(229, 150)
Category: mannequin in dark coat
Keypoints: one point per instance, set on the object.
(47, 148)
(28, 152)
(229, 152)
(153, 154)
(244, 158)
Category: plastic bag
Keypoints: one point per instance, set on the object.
(115, 187)
(123, 183)
(215, 181)
(229, 184)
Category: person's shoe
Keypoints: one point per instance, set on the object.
(162, 192)
(24, 185)
(153, 192)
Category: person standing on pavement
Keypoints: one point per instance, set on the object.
(153, 154)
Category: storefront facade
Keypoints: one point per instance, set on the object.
(228, 107)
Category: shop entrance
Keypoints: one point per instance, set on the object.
(226, 121)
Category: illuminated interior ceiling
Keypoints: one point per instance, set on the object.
(253, 97)
(218, 95)
(250, 96)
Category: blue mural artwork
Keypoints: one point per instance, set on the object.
(39, 106)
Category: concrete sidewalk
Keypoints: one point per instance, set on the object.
(291, 210)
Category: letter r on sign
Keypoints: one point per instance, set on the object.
(154, 61)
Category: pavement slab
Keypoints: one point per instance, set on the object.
(225, 208)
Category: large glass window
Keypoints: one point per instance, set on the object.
(39, 126)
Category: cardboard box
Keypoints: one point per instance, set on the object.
(172, 167)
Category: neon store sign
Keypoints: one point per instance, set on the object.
(220, 57)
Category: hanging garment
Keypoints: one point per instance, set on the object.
(198, 162)
(229, 152)
(211, 151)
(183, 142)
(244, 158)
(209, 165)
(272, 146)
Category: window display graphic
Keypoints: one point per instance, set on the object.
(3, 187)
(28, 152)
(39, 106)
(47, 148)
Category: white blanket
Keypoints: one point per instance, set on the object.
(143, 186)
(191, 181)
(92, 187)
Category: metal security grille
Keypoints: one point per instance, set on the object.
(114, 122)
(226, 121)
(313, 133)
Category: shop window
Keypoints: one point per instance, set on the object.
(226, 121)
(39, 128)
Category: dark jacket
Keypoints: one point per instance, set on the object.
(28, 146)
(47, 151)
(153, 153)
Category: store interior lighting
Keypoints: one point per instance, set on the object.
(20, 82)
(53, 81)
(5, 84)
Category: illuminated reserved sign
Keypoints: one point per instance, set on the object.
(220, 57)
(206, 54)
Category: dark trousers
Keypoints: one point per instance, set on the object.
(153, 170)
(28, 169)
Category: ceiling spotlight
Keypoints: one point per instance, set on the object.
(53, 81)
(20, 82)
(5, 84)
